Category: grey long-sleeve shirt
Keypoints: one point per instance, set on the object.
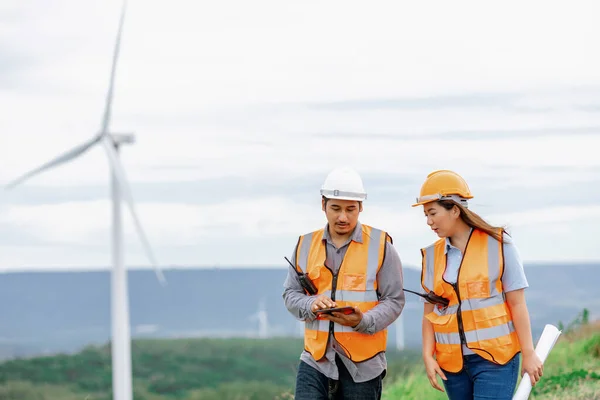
(391, 303)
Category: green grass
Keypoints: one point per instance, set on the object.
(413, 386)
(183, 369)
(571, 371)
(162, 370)
(248, 369)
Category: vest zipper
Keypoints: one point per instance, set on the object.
(333, 287)
(461, 329)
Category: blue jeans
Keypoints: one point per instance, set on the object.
(313, 385)
(482, 379)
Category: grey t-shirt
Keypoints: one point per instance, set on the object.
(391, 303)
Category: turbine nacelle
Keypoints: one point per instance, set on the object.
(122, 138)
(111, 142)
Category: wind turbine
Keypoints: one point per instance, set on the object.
(263, 323)
(121, 336)
(399, 325)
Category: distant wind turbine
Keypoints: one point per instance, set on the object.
(300, 327)
(263, 322)
(121, 336)
(399, 325)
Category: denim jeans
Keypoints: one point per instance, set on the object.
(313, 385)
(482, 379)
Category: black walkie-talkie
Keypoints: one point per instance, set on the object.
(304, 280)
(432, 298)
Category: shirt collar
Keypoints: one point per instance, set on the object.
(357, 235)
(449, 246)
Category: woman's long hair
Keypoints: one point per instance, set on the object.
(474, 220)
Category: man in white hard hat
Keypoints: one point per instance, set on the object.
(345, 264)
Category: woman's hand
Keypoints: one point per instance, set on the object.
(533, 366)
(432, 367)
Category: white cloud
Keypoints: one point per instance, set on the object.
(79, 232)
(237, 89)
(197, 159)
(549, 215)
(271, 50)
(201, 57)
(69, 223)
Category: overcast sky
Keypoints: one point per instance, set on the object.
(240, 109)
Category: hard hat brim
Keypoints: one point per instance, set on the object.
(344, 198)
(437, 197)
(420, 203)
(427, 199)
(341, 195)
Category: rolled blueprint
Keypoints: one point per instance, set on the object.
(545, 344)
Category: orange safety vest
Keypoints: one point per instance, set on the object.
(477, 314)
(354, 285)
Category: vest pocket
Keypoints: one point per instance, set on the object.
(356, 282)
(491, 327)
(311, 333)
(485, 316)
(437, 319)
(314, 274)
(478, 289)
(446, 349)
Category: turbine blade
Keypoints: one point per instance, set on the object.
(109, 95)
(69, 155)
(119, 173)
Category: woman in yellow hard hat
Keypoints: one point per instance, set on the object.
(473, 342)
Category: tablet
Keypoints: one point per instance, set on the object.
(344, 310)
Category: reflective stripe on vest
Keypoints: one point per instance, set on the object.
(494, 264)
(356, 286)
(486, 321)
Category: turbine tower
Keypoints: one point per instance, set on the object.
(399, 325)
(120, 324)
(263, 322)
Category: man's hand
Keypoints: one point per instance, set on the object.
(351, 320)
(321, 302)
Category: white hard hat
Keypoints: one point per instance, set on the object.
(344, 184)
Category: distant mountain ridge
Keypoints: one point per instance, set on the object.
(64, 311)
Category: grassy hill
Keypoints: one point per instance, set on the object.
(163, 369)
(571, 371)
(186, 369)
(252, 369)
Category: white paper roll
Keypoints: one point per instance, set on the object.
(545, 344)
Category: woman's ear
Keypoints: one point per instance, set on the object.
(455, 211)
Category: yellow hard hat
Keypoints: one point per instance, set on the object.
(444, 185)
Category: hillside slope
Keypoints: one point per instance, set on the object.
(249, 369)
(182, 369)
(571, 372)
